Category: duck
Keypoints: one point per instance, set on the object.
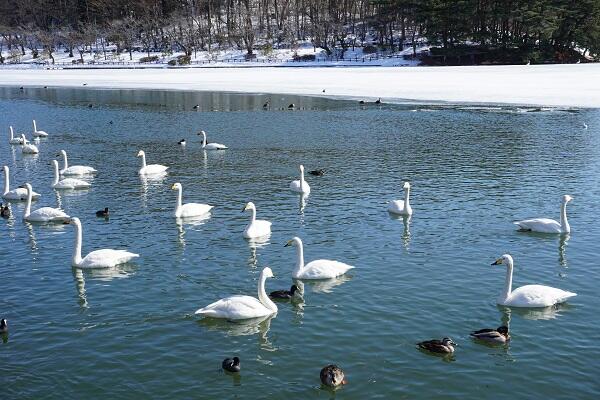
(585, 126)
(444, 346)
(499, 335)
(547, 225)
(243, 307)
(266, 104)
(188, 209)
(231, 364)
(67, 183)
(257, 227)
(361, 102)
(4, 211)
(210, 146)
(103, 213)
(285, 294)
(300, 185)
(12, 139)
(401, 207)
(18, 194)
(37, 133)
(291, 106)
(530, 296)
(317, 269)
(331, 375)
(43, 214)
(196, 107)
(378, 101)
(182, 142)
(317, 172)
(3, 325)
(150, 169)
(104, 258)
(75, 170)
(28, 148)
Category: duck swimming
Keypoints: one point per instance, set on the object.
(444, 346)
(231, 364)
(4, 211)
(3, 326)
(181, 142)
(332, 376)
(317, 172)
(103, 213)
(285, 294)
(499, 335)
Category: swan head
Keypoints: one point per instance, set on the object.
(54, 163)
(140, 153)
(27, 186)
(249, 206)
(267, 272)
(506, 259)
(201, 133)
(176, 186)
(5, 168)
(301, 168)
(72, 221)
(567, 198)
(406, 186)
(294, 241)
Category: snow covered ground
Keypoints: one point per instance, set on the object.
(575, 85)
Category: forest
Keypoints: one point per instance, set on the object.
(490, 31)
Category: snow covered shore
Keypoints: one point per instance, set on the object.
(574, 85)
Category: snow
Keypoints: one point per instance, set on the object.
(571, 85)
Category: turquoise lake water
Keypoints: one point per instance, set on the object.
(131, 333)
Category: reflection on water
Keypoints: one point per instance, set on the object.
(322, 285)
(545, 313)
(562, 247)
(150, 183)
(189, 223)
(80, 285)
(254, 326)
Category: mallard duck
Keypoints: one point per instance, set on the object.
(332, 376)
(231, 364)
(317, 172)
(499, 335)
(444, 346)
(103, 213)
(3, 326)
(4, 211)
(285, 294)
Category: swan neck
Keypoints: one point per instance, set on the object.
(34, 126)
(508, 283)
(65, 161)
(143, 160)
(564, 223)
(55, 173)
(301, 179)
(253, 215)
(203, 139)
(406, 199)
(179, 199)
(300, 260)
(11, 133)
(28, 205)
(6, 181)
(76, 260)
(262, 294)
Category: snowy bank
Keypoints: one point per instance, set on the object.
(575, 85)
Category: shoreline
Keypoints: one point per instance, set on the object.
(558, 85)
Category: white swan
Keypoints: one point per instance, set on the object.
(12, 139)
(300, 186)
(37, 133)
(44, 214)
(18, 194)
(188, 209)
(210, 146)
(256, 228)
(75, 170)
(104, 258)
(28, 148)
(243, 307)
(317, 269)
(547, 225)
(152, 168)
(529, 295)
(67, 183)
(402, 207)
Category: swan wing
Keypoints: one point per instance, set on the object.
(194, 210)
(543, 225)
(30, 148)
(47, 214)
(396, 206)
(153, 169)
(106, 258)
(19, 194)
(71, 183)
(258, 228)
(78, 170)
(215, 146)
(235, 307)
(537, 296)
(296, 187)
(323, 269)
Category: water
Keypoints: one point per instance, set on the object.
(131, 332)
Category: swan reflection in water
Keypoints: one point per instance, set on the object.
(247, 327)
(562, 247)
(100, 274)
(253, 245)
(189, 223)
(406, 232)
(545, 313)
(303, 200)
(322, 285)
(151, 181)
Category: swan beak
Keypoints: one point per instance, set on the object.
(173, 187)
(344, 381)
(244, 209)
(289, 243)
(497, 262)
(66, 222)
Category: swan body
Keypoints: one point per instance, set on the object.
(402, 207)
(300, 186)
(444, 346)
(151, 168)
(104, 258)
(256, 228)
(67, 183)
(210, 146)
(44, 214)
(12, 139)
(75, 170)
(37, 133)
(317, 269)
(28, 148)
(547, 225)
(529, 295)
(499, 335)
(189, 209)
(332, 376)
(18, 194)
(243, 307)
